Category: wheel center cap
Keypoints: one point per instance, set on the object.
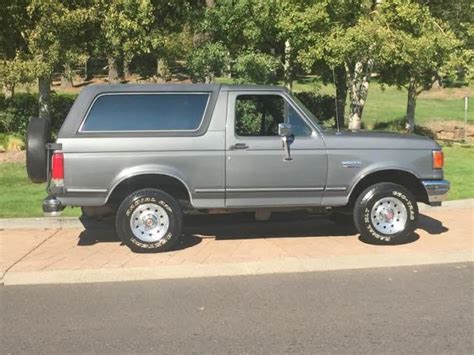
(388, 215)
(150, 221)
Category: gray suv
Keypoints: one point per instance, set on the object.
(146, 154)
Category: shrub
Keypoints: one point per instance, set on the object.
(256, 68)
(322, 106)
(15, 112)
(399, 126)
(14, 144)
(206, 61)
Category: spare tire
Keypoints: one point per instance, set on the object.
(37, 135)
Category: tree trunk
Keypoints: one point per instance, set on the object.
(341, 94)
(87, 75)
(209, 79)
(66, 79)
(9, 90)
(126, 69)
(113, 71)
(359, 81)
(411, 106)
(44, 98)
(288, 67)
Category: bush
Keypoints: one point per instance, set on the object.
(15, 112)
(256, 68)
(206, 61)
(399, 126)
(322, 106)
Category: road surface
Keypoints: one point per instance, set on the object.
(423, 309)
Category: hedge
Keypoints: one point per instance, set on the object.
(322, 106)
(15, 112)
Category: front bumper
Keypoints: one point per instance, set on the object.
(436, 190)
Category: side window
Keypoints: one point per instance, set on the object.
(300, 128)
(146, 112)
(259, 115)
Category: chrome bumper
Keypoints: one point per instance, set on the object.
(436, 190)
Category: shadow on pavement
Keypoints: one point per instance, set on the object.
(431, 226)
(243, 226)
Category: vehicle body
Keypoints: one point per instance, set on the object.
(227, 148)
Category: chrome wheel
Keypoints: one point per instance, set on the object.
(149, 222)
(389, 215)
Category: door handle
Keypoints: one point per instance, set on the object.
(239, 146)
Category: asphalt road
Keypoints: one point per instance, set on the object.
(406, 310)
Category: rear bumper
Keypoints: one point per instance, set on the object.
(436, 190)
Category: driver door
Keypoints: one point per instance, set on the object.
(257, 173)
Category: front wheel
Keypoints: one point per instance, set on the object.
(386, 213)
(149, 220)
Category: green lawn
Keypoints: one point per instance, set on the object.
(389, 104)
(459, 170)
(20, 198)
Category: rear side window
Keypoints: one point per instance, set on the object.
(146, 112)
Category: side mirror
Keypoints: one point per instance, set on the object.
(284, 129)
(287, 137)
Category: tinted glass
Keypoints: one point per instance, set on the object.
(146, 112)
(259, 115)
(299, 127)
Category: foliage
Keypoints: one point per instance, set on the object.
(322, 106)
(124, 27)
(421, 48)
(399, 126)
(206, 61)
(256, 68)
(15, 112)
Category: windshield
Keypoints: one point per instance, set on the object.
(307, 112)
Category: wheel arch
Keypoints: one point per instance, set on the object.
(402, 177)
(165, 181)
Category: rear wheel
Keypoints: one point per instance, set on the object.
(386, 213)
(149, 220)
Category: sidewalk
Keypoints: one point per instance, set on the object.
(229, 245)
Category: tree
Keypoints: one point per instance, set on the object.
(342, 50)
(419, 51)
(13, 68)
(298, 24)
(241, 27)
(124, 31)
(50, 40)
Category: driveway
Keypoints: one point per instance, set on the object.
(229, 245)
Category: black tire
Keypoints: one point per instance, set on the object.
(390, 201)
(130, 209)
(37, 135)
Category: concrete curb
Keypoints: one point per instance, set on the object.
(287, 265)
(74, 222)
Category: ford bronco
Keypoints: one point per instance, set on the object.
(146, 154)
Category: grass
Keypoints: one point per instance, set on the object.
(389, 104)
(459, 170)
(20, 198)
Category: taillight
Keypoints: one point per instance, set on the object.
(57, 169)
(438, 159)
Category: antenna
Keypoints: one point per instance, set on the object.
(335, 101)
